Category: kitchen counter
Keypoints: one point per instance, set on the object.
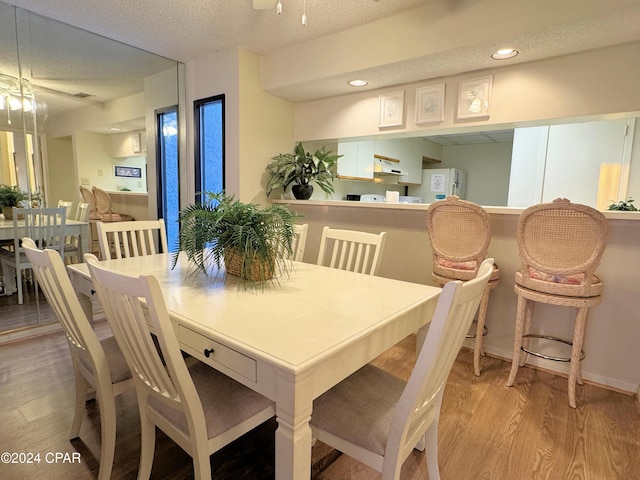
(613, 215)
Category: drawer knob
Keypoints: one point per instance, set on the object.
(208, 352)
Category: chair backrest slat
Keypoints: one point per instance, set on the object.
(131, 239)
(454, 314)
(121, 297)
(52, 277)
(351, 250)
(46, 226)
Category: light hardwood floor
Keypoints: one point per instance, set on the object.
(487, 431)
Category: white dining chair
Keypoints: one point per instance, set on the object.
(72, 242)
(201, 409)
(46, 226)
(351, 250)
(66, 204)
(98, 363)
(377, 418)
(299, 242)
(131, 239)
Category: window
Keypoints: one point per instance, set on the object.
(168, 173)
(209, 151)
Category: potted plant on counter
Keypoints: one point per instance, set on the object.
(301, 168)
(623, 205)
(250, 241)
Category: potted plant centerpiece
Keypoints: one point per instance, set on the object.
(301, 168)
(11, 196)
(250, 241)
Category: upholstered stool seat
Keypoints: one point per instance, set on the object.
(560, 245)
(460, 232)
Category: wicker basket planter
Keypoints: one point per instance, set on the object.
(236, 263)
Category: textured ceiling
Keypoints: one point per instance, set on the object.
(455, 36)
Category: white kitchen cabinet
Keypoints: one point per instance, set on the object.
(130, 144)
(356, 162)
(409, 152)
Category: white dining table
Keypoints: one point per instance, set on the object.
(292, 341)
(72, 227)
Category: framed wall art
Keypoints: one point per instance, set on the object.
(474, 98)
(125, 171)
(391, 109)
(430, 104)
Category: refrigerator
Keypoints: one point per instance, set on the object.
(439, 183)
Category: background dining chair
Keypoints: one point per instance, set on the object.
(560, 245)
(299, 242)
(460, 232)
(375, 417)
(200, 408)
(132, 239)
(351, 250)
(98, 363)
(66, 204)
(89, 197)
(72, 242)
(46, 226)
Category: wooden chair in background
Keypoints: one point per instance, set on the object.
(72, 242)
(351, 250)
(98, 363)
(46, 226)
(131, 239)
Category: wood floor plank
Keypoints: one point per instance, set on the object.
(486, 430)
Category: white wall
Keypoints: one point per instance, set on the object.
(61, 168)
(487, 166)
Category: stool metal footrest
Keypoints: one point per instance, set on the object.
(549, 357)
(485, 330)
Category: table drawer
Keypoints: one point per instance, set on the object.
(85, 286)
(221, 355)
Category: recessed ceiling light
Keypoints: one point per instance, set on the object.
(358, 83)
(504, 53)
(115, 129)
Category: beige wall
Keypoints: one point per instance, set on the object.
(265, 128)
(257, 125)
(61, 181)
(596, 82)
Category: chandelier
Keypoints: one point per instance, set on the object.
(15, 96)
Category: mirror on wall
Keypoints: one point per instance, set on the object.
(528, 164)
(73, 106)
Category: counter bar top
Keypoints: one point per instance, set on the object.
(612, 215)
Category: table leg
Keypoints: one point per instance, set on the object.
(293, 435)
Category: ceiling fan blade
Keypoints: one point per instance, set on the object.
(263, 4)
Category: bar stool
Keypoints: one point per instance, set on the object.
(560, 245)
(103, 206)
(460, 232)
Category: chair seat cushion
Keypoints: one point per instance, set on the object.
(565, 285)
(446, 274)
(360, 408)
(468, 265)
(117, 364)
(225, 402)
